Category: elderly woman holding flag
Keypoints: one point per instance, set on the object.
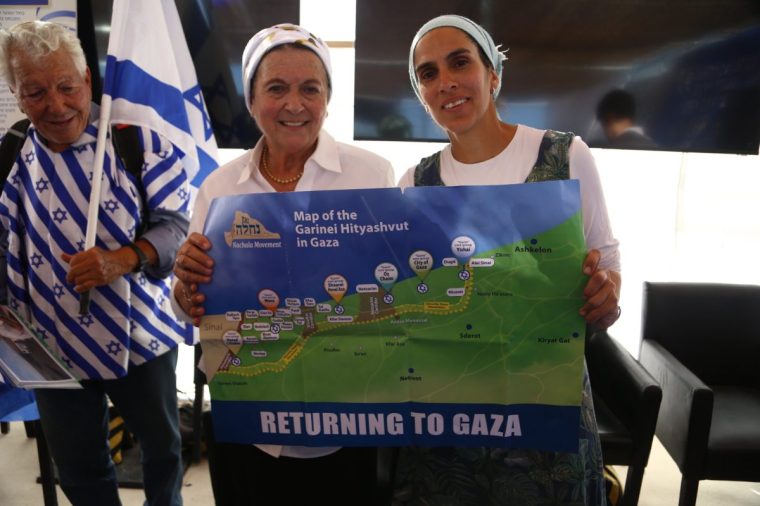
(126, 346)
(287, 83)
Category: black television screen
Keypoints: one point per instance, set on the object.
(216, 32)
(689, 69)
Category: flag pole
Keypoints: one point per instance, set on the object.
(97, 176)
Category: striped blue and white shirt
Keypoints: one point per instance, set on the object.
(43, 208)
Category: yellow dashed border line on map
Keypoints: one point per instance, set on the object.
(298, 346)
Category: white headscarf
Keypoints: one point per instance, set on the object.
(277, 35)
(471, 28)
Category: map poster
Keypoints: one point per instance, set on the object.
(440, 316)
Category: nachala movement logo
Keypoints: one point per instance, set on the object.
(247, 232)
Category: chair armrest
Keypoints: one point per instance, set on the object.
(626, 387)
(621, 379)
(686, 412)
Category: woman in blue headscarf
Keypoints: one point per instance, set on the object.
(455, 70)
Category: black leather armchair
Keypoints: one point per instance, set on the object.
(702, 343)
(626, 401)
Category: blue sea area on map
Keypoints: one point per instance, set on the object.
(426, 218)
(491, 215)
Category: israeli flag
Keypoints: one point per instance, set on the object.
(151, 81)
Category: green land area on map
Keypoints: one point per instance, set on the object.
(509, 334)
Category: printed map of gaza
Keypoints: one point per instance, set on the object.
(465, 295)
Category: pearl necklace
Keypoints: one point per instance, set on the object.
(265, 166)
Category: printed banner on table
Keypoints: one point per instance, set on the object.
(441, 316)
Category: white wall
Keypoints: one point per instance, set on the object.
(680, 217)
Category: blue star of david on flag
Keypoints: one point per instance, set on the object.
(111, 206)
(36, 260)
(86, 320)
(41, 185)
(59, 215)
(195, 97)
(113, 348)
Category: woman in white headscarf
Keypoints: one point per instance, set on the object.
(287, 85)
(455, 70)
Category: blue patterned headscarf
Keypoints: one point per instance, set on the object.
(471, 28)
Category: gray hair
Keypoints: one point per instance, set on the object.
(37, 39)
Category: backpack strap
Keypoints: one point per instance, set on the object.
(127, 146)
(126, 143)
(553, 161)
(428, 171)
(10, 147)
